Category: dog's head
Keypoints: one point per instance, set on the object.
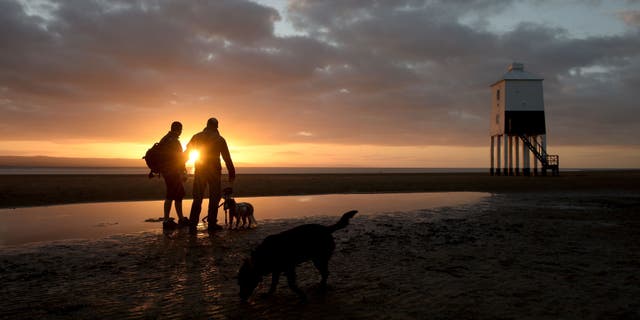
(248, 279)
(227, 192)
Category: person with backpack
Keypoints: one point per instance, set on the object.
(174, 172)
(211, 146)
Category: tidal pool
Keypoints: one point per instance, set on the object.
(99, 220)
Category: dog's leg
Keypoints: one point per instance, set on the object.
(291, 280)
(252, 218)
(322, 264)
(275, 277)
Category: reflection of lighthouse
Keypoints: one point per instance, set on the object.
(517, 115)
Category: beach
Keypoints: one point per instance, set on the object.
(38, 190)
(536, 248)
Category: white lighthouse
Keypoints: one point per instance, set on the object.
(517, 116)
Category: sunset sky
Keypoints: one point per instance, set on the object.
(316, 83)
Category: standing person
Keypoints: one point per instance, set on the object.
(211, 146)
(173, 172)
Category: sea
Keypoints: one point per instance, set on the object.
(240, 170)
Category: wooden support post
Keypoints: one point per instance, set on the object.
(525, 159)
(544, 147)
(491, 172)
(535, 159)
(505, 170)
(498, 138)
(517, 148)
(511, 155)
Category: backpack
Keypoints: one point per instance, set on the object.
(157, 159)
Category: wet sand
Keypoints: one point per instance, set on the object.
(540, 248)
(519, 255)
(37, 190)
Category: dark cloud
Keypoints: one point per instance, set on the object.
(454, 65)
(630, 17)
(367, 72)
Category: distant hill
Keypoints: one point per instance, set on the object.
(43, 161)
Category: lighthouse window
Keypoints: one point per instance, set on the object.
(498, 94)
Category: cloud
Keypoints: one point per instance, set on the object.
(630, 17)
(305, 134)
(357, 72)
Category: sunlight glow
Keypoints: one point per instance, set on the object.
(313, 155)
(193, 157)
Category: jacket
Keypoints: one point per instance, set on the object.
(211, 146)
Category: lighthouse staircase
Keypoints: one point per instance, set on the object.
(548, 161)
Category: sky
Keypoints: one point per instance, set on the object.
(316, 83)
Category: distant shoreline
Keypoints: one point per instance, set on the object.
(39, 190)
(71, 170)
(101, 170)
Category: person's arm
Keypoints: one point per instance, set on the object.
(180, 156)
(190, 146)
(184, 157)
(226, 156)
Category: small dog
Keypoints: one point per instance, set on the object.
(238, 210)
(281, 253)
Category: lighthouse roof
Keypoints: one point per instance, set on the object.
(515, 71)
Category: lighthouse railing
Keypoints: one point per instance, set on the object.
(548, 161)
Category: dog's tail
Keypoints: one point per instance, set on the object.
(344, 221)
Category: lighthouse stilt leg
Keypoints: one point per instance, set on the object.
(498, 138)
(505, 170)
(525, 160)
(517, 156)
(535, 159)
(511, 172)
(492, 158)
(544, 147)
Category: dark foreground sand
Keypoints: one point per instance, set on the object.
(559, 248)
(525, 255)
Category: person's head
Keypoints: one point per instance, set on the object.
(176, 127)
(212, 123)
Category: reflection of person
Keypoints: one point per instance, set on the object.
(173, 173)
(208, 172)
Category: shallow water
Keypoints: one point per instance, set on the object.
(100, 220)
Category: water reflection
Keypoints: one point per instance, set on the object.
(99, 220)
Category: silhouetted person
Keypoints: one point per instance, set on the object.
(173, 172)
(208, 172)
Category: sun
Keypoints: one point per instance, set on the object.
(193, 157)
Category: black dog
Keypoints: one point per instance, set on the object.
(281, 253)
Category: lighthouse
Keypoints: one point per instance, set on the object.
(517, 118)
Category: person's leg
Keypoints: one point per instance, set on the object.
(169, 182)
(178, 205)
(168, 223)
(215, 194)
(178, 199)
(199, 184)
(167, 209)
